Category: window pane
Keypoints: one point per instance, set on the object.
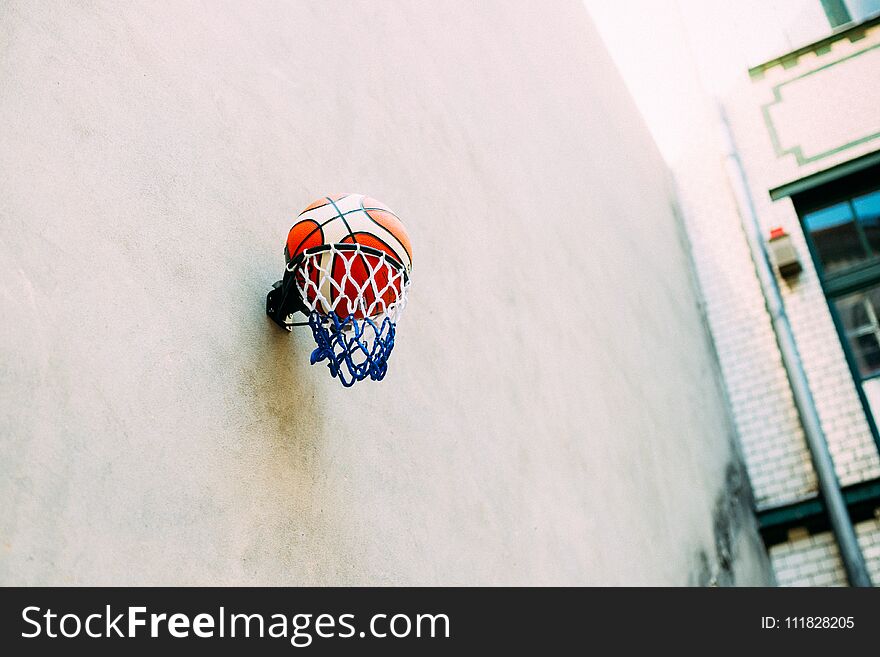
(859, 312)
(867, 209)
(869, 353)
(854, 314)
(861, 9)
(835, 237)
(872, 392)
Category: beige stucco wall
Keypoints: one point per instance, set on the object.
(552, 414)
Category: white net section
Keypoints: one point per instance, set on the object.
(351, 280)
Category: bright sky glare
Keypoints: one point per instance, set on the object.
(678, 54)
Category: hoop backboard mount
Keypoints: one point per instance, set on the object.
(283, 301)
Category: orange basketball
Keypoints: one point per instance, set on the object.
(346, 281)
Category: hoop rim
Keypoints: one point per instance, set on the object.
(344, 246)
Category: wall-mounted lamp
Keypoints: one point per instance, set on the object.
(784, 254)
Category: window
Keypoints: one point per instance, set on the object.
(836, 11)
(847, 233)
(859, 10)
(841, 12)
(858, 313)
(841, 221)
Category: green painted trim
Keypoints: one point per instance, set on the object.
(828, 175)
(853, 280)
(797, 151)
(866, 492)
(861, 499)
(790, 515)
(820, 46)
(836, 12)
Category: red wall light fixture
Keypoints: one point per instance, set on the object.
(784, 254)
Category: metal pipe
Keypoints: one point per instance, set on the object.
(829, 486)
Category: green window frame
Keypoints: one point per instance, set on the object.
(849, 284)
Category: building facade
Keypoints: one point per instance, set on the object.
(806, 129)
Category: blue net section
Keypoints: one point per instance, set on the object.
(354, 349)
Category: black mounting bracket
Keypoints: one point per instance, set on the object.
(282, 301)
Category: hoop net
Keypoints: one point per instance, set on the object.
(354, 296)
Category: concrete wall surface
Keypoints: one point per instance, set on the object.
(552, 414)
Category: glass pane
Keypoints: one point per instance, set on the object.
(835, 237)
(858, 313)
(859, 10)
(867, 209)
(869, 353)
(854, 314)
(872, 392)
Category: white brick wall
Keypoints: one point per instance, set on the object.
(843, 419)
(807, 560)
(767, 422)
(814, 560)
(772, 439)
(869, 538)
(777, 460)
(768, 426)
(770, 432)
(840, 409)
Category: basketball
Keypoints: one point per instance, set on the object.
(349, 279)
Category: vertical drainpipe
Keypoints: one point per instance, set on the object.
(829, 486)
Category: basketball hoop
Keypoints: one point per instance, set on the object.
(351, 293)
